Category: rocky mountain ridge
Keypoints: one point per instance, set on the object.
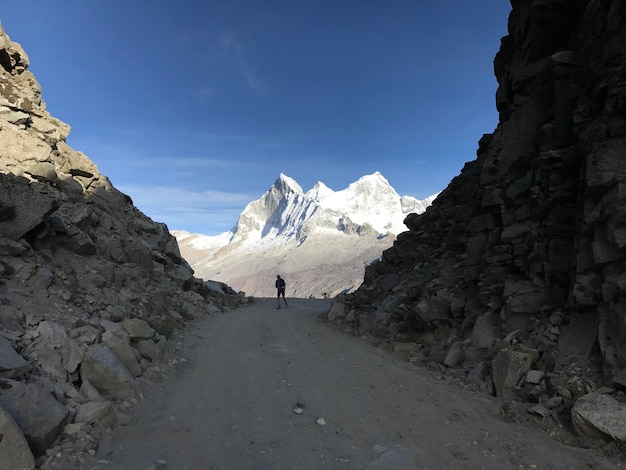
(515, 275)
(92, 292)
(320, 241)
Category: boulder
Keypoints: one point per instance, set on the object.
(535, 377)
(137, 328)
(85, 334)
(31, 205)
(478, 374)
(485, 330)
(600, 416)
(40, 417)
(11, 363)
(13, 446)
(430, 309)
(77, 241)
(167, 323)
(119, 344)
(149, 349)
(337, 312)
(455, 355)
(508, 367)
(9, 247)
(91, 411)
(111, 326)
(54, 351)
(107, 373)
(576, 339)
(90, 392)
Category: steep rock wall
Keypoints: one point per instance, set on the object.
(527, 245)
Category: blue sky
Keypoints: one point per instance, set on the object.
(194, 108)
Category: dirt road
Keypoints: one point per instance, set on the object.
(267, 389)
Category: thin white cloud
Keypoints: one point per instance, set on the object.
(241, 62)
(208, 212)
(225, 48)
(189, 164)
(177, 196)
(109, 138)
(204, 94)
(136, 154)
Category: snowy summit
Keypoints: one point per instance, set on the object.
(299, 231)
(285, 210)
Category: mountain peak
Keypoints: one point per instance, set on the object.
(374, 178)
(294, 230)
(285, 211)
(372, 186)
(319, 191)
(284, 184)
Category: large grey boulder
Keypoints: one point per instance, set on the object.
(11, 363)
(508, 367)
(119, 344)
(91, 411)
(9, 247)
(337, 312)
(40, 417)
(90, 392)
(182, 274)
(103, 369)
(14, 451)
(30, 206)
(54, 351)
(600, 416)
(137, 328)
(149, 349)
(485, 331)
(576, 339)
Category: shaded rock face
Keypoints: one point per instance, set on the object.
(13, 446)
(89, 286)
(526, 247)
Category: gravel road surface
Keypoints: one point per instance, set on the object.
(267, 389)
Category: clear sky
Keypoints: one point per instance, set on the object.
(193, 108)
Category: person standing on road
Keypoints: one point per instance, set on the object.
(280, 290)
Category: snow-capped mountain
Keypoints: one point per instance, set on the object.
(295, 233)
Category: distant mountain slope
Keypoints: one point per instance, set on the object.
(320, 240)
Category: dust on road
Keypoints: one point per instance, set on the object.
(272, 389)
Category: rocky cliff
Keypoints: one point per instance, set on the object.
(516, 274)
(91, 290)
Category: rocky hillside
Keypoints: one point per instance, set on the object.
(516, 275)
(91, 290)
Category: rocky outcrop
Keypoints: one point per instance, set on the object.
(91, 290)
(525, 251)
(13, 446)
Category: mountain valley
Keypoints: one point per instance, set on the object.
(510, 285)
